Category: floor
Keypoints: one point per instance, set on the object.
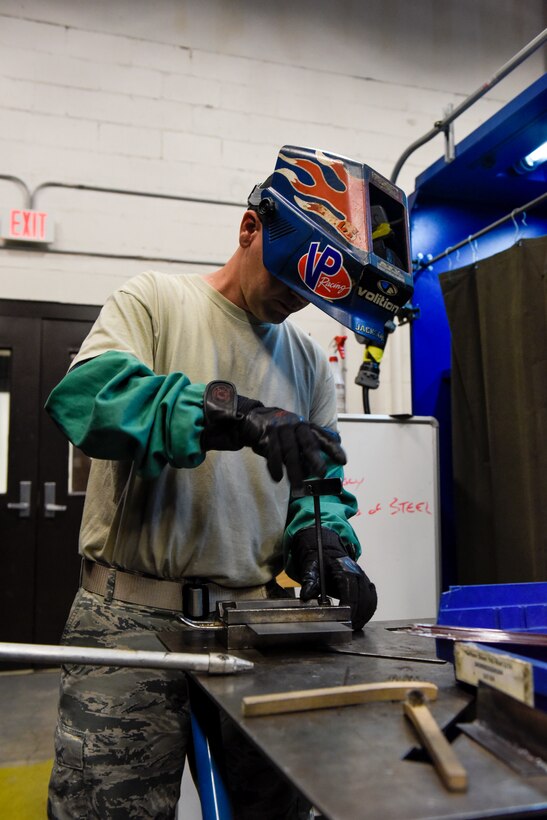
(27, 725)
(27, 721)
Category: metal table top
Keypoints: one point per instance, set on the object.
(364, 761)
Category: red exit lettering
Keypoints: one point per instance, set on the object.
(27, 225)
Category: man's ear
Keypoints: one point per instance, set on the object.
(249, 229)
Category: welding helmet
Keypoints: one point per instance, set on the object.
(336, 232)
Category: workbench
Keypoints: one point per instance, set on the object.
(364, 761)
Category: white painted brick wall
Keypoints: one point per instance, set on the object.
(196, 99)
(127, 141)
(179, 145)
(194, 90)
(24, 33)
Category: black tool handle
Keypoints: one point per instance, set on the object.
(323, 599)
(317, 487)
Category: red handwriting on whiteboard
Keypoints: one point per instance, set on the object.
(397, 507)
(352, 482)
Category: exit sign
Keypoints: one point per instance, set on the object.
(20, 225)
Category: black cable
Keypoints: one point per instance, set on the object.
(366, 401)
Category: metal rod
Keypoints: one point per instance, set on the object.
(323, 600)
(215, 663)
(449, 146)
(442, 125)
(413, 658)
(471, 633)
(497, 223)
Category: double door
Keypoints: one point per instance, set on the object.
(42, 477)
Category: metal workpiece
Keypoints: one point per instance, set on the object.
(281, 622)
(214, 663)
(280, 610)
(255, 636)
(511, 730)
(477, 634)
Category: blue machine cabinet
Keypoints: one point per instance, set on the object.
(452, 201)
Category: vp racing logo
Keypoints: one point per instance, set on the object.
(323, 273)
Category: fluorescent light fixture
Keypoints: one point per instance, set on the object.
(536, 157)
(532, 160)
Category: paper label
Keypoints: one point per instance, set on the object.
(513, 676)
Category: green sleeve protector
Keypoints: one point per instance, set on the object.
(335, 512)
(114, 407)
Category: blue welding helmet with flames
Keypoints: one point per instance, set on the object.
(336, 232)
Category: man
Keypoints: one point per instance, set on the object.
(203, 411)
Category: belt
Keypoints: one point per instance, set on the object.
(158, 593)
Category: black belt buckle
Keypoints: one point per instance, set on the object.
(195, 600)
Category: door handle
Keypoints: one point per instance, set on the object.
(50, 507)
(23, 505)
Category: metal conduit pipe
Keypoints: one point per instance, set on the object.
(99, 255)
(23, 185)
(31, 204)
(128, 192)
(215, 663)
(442, 125)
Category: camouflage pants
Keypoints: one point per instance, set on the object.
(123, 733)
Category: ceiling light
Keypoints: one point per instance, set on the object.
(532, 160)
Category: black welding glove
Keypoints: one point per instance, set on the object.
(282, 438)
(344, 578)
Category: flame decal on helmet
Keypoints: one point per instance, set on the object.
(340, 205)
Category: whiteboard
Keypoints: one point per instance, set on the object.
(393, 470)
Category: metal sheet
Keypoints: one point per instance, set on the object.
(299, 631)
(513, 731)
(243, 636)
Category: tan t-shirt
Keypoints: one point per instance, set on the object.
(225, 519)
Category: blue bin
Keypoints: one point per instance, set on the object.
(518, 607)
(496, 606)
